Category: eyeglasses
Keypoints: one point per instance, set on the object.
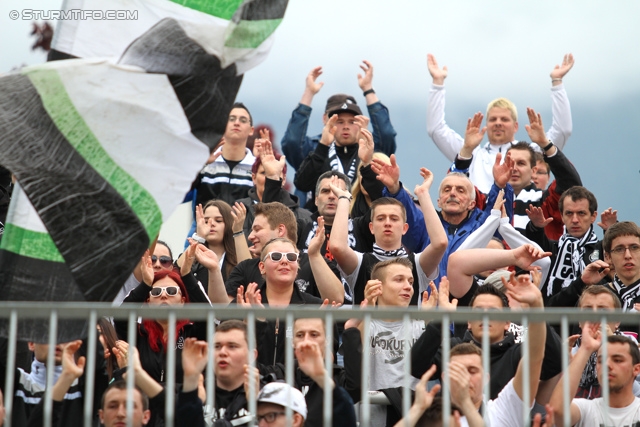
(170, 290)
(165, 261)
(269, 417)
(541, 173)
(621, 250)
(277, 256)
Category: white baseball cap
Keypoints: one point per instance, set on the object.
(284, 395)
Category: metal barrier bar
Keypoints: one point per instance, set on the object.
(526, 374)
(51, 363)
(90, 367)
(327, 401)
(251, 331)
(566, 404)
(210, 380)
(406, 386)
(54, 312)
(366, 369)
(132, 335)
(171, 374)
(486, 368)
(288, 357)
(605, 368)
(446, 381)
(11, 367)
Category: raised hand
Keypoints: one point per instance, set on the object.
(595, 272)
(365, 81)
(315, 245)
(549, 420)
(608, 217)
(427, 180)
(310, 82)
(527, 255)
(523, 289)
(70, 366)
(438, 74)
(194, 357)
(189, 257)
(239, 214)
(424, 398)
(146, 268)
(430, 299)
(591, 337)
(499, 203)
(207, 258)
(443, 297)
(310, 361)
(535, 128)
(202, 228)
(365, 147)
(329, 131)
(459, 382)
(536, 216)
(559, 71)
(335, 187)
(372, 291)
(473, 135)
(251, 374)
(250, 298)
(502, 170)
(272, 167)
(388, 174)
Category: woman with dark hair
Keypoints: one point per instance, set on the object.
(108, 337)
(162, 258)
(167, 289)
(215, 230)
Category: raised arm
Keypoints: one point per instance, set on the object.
(432, 254)
(295, 143)
(216, 289)
(591, 341)
(339, 239)
(527, 291)
(446, 139)
(384, 135)
(329, 286)
(562, 124)
(464, 264)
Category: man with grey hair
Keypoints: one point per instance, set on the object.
(458, 213)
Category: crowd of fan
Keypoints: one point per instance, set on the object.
(501, 234)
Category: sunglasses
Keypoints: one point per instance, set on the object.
(165, 261)
(277, 256)
(170, 291)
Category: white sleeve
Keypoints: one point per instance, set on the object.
(515, 239)
(562, 124)
(446, 139)
(351, 278)
(506, 409)
(423, 278)
(482, 235)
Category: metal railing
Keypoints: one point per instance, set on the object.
(12, 312)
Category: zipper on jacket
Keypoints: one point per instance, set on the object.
(162, 375)
(275, 350)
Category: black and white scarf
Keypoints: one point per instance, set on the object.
(569, 263)
(385, 255)
(628, 294)
(336, 164)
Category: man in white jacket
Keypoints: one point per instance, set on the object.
(501, 124)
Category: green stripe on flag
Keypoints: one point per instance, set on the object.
(251, 34)
(29, 243)
(71, 124)
(221, 8)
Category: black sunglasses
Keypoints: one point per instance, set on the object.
(165, 261)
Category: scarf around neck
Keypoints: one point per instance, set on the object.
(385, 255)
(336, 164)
(569, 263)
